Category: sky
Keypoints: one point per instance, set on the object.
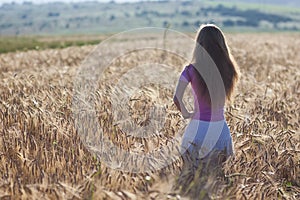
(46, 1)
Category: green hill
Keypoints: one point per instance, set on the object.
(94, 17)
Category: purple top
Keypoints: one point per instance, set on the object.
(203, 110)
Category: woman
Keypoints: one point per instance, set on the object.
(213, 74)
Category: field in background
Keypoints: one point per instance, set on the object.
(25, 43)
(43, 157)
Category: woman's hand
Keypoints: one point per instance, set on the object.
(187, 115)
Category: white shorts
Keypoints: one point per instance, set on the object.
(204, 137)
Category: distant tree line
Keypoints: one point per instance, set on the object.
(251, 17)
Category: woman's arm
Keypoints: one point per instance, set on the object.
(181, 86)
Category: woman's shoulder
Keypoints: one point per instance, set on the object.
(190, 65)
(191, 68)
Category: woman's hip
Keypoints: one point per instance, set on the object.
(203, 137)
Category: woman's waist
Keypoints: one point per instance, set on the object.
(209, 115)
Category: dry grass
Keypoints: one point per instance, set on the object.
(42, 156)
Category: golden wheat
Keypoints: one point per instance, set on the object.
(42, 155)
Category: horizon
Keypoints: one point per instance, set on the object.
(289, 3)
(68, 1)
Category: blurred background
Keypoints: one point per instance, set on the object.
(28, 24)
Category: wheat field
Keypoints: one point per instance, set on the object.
(43, 157)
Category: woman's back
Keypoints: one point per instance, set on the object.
(202, 105)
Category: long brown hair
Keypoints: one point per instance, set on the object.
(212, 40)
